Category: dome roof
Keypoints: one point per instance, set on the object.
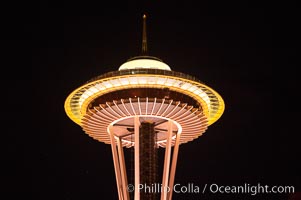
(144, 63)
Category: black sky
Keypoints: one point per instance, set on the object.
(227, 44)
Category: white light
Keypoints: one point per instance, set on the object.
(100, 87)
(107, 84)
(93, 90)
(133, 80)
(124, 81)
(192, 89)
(185, 86)
(161, 80)
(115, 82)
(142, 80)
(144, 64)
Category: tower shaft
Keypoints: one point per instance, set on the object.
(148, 159)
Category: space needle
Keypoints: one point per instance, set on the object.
(144, 105)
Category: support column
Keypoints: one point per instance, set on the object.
(123, 170)
(173, 166)
(116, 164)
(166, 162)
(137, 160)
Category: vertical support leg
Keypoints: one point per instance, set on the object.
(137, 160)
(123, 170)
(173, 166)
(166, 162)
(116, 164)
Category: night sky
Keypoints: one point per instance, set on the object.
(228, 45)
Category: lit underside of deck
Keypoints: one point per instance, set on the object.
(189, 121)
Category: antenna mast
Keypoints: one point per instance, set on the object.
(144, 37)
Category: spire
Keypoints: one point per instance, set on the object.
(144, 38)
